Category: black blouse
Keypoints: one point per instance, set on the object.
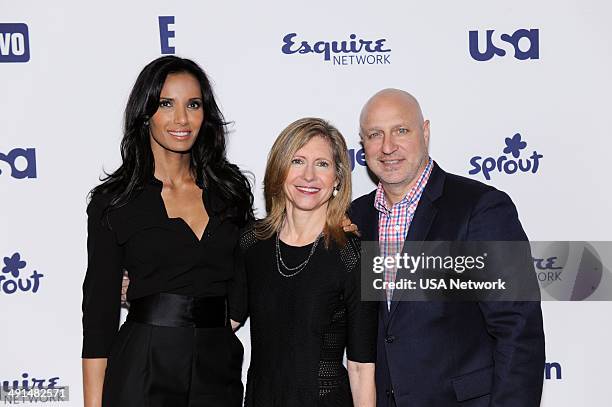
(301, 325)
(161, 254)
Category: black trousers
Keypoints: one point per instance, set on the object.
(161, 366)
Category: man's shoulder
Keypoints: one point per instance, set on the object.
(459, 188)
(364, 200)
(362, 205)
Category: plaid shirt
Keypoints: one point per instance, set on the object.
(394, 222)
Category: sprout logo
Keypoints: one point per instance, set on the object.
(506, 164)
(11, 282)
(572, 271)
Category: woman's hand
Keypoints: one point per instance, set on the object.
(125, 283)
(363, 388)
(235, 325)
(93, 381)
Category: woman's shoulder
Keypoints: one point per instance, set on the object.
(248, 236)
(98, 202)
(350, 251)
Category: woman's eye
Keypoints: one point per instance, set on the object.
(165, 103)
(195, 104)
(323, 164)
(297, 161)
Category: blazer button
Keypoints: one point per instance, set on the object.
(390, 339)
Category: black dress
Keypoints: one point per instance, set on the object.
(154, 363)
(301, 325)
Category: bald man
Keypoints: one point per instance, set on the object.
(470, 354)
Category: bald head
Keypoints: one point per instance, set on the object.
(391, 97)
(395, 139)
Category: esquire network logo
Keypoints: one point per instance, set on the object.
(27, 382)
(510, 162)
(22, 162)
(354, 51)
(10, 280)
(525, 43)
(14, 42)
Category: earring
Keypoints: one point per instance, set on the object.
(335, 192)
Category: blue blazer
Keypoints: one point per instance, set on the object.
(470, 354)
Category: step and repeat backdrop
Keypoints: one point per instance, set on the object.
(518, 94)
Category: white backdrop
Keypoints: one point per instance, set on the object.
(66, 103)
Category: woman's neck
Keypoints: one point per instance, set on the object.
(172, 168)
(302, 227)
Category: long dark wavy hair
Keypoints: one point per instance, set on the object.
(209, 164)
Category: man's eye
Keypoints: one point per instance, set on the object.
(402, 130)
(373, 135)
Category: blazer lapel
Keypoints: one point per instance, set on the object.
(421, 223)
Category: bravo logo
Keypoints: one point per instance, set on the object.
(22, 162)
(510, 162)
(525, 43)
(14, 42)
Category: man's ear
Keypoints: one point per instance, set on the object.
(426, 133)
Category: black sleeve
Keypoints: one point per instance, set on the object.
(516, 325)
(237, 295)
(362, 319)
(102, 285)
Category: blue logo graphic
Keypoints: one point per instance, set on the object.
(356, 156)
(10, 282)
(491, 50)
(549, 368)
(29, 154)
(352, 52)
(14, 42)
(508, 165)
(165, 33)
(26, 382)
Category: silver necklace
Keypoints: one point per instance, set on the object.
(297, 269)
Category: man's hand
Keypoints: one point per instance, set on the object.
(349, 227)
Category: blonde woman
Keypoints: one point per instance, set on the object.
(303, 280)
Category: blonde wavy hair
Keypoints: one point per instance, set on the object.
(291, 139)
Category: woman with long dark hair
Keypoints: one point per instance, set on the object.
(170, 216)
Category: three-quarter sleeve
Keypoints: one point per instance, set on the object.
(362, 320)
(102, 284)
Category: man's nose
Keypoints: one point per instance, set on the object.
(388, 146)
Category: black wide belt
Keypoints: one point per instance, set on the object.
(175, 310)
